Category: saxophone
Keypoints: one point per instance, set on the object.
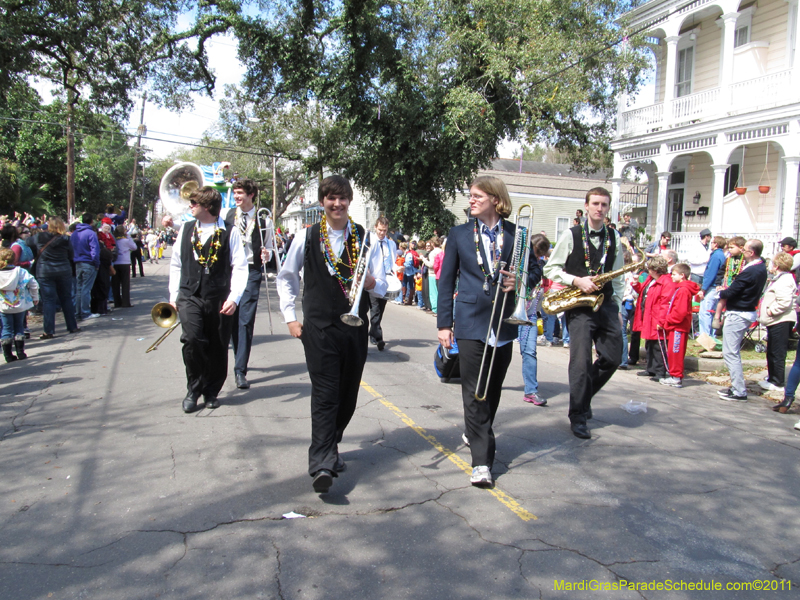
(571, 297)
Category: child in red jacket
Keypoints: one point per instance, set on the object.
(677, 323)
(655, 307)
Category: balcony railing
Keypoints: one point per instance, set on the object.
(761, 91)
(643, 119)
(751, 95)
(695, 106)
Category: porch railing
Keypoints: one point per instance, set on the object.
(641, 120)
(683, 241)
(695, 106)
(761, 91)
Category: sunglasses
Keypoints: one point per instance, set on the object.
(192, 202)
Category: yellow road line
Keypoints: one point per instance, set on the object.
(504, 498)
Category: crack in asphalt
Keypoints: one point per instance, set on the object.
(778, 566)
(174, 471)
(278, 571)
(57, 371)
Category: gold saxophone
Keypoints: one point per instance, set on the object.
(571, 297)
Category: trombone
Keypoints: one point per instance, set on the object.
(519, 264)
(500, 267)
(267, 232)
(163, 315)
(357, 285)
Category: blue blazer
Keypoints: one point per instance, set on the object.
(469, 314)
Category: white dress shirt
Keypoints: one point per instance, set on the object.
(288, 280)
(238, 260)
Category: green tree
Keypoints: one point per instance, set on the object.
(425, 89)
(102, 52)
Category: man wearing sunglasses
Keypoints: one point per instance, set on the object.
(207, 277)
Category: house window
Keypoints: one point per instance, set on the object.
(731, 178)
(683, 80)
(742, 36)
(562, 225)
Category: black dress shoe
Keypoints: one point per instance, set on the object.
(381, 345)
(340, 466)
(211, 401)
(623, 367)
(241, 382)
(784, 406)
(322, 482)
(189, 404)
(580, 430)
(645, 374)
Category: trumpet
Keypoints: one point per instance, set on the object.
(519, 264)
(266, 228)
(357, 285)
(163, 315)
(500, 267)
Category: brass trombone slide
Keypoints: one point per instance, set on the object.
(500, 267)
(267, 231)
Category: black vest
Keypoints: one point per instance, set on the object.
(576, 263)
(323, 299)
(194, 281)
(255, 238)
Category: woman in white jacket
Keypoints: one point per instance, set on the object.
(777, 313)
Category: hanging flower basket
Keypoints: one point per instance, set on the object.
(741, 191)
(764, 189)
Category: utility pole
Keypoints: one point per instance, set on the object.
(70, 156)
(142, 130)
(274, 197)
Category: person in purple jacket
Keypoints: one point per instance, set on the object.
(86, 251)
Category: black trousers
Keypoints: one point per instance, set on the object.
(136, 258)
(335, 357)
(205, 336)
(633, 348)
(244, 320)
(121, 285)
(376, 308)
(777, 346)
(479, 415)
(586, 377)
(656, 351)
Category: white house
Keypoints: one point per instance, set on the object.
(725, 116)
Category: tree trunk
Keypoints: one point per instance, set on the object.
(70, 158)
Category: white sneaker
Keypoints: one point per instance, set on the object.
(566, 344)
(671, 381)
(465, 439)
(769, 387)
(797, 425)
(93, 316)
(481, 477)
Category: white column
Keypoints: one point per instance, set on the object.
(652, 203)
(726, 73)
(718, 198)
(789, 195)
(663, 203)
(793, 5)
(669, 85)
(616, 193)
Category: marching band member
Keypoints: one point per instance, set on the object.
(327, 254)
(388, 250)
(474, 251)
(586, 251)
(207, 277)
(243, 218)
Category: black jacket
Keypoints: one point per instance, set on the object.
(745, 291)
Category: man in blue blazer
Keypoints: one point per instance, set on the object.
(473, 256)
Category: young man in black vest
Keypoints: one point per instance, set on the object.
(327, 252)
(243, 218)
(581, 254)
(207, 276)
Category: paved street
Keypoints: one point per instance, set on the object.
(111, 492)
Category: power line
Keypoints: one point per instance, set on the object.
(250, 152)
